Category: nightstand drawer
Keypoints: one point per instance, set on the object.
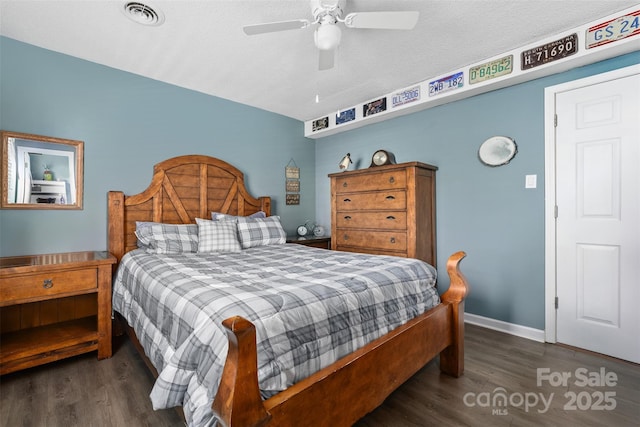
(314, 242)
(35, 286)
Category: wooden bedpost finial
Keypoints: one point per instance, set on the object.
(116, 227)
(452, 357)
(238, 402)
(458, 287)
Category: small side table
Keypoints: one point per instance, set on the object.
(323, 242)
(54, 306)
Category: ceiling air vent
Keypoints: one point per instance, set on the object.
(143, 14)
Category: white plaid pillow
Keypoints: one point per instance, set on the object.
(218, 216)
(260, 232)
(217, 236)
(162, 238)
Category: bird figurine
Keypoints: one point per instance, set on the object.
(345, 162)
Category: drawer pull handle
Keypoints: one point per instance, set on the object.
(346, 237)
(47, 283)
(391, 217)
(392, 180)
(347, 200)
(393, 240)
(347, 217)
(390, 198)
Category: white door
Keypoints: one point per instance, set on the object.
(598, 217)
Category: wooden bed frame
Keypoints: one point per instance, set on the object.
(186, 187)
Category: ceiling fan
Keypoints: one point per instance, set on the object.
(327, 14)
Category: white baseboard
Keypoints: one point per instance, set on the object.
(508, 328)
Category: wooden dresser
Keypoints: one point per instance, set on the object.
(388, 210)
(54, 306)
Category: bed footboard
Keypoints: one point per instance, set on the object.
(357, 378)
(452, 357)
(238, 396)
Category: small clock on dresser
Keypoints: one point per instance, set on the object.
(382, 157)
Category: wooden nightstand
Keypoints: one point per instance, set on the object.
(316, 242)
(54, 306)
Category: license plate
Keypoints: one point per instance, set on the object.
(406, 96)
(446, 84)
(491, 70)
(550, 52)
(346, 116)
(614, 30)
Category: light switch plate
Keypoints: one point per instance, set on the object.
(531, 181)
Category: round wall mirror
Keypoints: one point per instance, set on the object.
(497, 151)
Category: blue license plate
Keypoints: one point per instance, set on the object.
(346, 116)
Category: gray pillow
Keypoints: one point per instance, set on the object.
(254, 232)
(162, 238)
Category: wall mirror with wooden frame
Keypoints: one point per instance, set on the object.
(41, 172)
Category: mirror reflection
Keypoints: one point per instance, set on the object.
(41, 172)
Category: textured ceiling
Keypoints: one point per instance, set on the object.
(201, 45)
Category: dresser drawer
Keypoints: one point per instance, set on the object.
(391, 180)
(387, 220)
(371, 251)
(35, 286)
(386, 240)
(383, 200)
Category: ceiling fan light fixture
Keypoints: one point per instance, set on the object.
(327, 14)
(327, 36)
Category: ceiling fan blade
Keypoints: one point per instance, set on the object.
(326, 59)
(275, 26)
(382, 20)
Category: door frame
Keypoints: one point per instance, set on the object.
(550, 324)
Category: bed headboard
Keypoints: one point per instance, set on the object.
(182, 188)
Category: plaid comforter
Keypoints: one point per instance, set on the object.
(310, 307)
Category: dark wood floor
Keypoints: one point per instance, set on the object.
(84, 392)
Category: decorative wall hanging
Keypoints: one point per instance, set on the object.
(320, 124)
(292, 183)
(497, 151)
(293, 186)
(374, 107)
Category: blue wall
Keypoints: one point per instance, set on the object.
(129, 123)
(484, 211)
